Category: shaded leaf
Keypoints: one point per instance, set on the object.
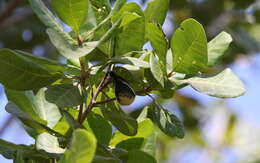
(130, 61)
(49, 19)
(156, 10)
(48, 64)
(158, 40)
(118, 5)
(68, 50)
(119, 119)
(47, 111)
(64, 95)
(20, 73)
(167, 122)
(8, 149)
(137, 156)
(156, 69)
(48, 143)
(145, 129)
(225, 84)
(217, 46)
(100, 127)
(71, 12)
(150, 144)
(24, 102)
(131, 35)
(82, 149)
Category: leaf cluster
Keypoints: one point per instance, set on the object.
(70, 109)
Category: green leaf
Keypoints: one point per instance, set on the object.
(150, 144)
(46, 111)
(217, 47)
(8, 149)
(131, 35)
(64, 95)
(100, 127)
(26, 102)
(137, 156)
(70, 116)
(156, 69)
(71, 12)
(130, 61)
(102, 159)
(49, 19)
(33, 111)
(189, 47)
(158, 40)
(142, 116)
(156, 10)
(119, 119)
(19, 158)
(105, 153)
(145, 129)
(75, 52)
(28, 121)
(35, 107)
(20, 73)
(225, 84)
(167, 122)
(68, 50)
(131, 143)
(50, 65)
(48, 143)
(82, 149)
(118, 5)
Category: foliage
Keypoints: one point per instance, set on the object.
(69, 109)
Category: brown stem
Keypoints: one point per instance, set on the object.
(80, 111)
(103, 102)
(144, 91)
(82, 85)
(103, 84)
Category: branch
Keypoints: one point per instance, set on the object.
(103, 102)
(15, 18)
(103, 84)
(9, 9)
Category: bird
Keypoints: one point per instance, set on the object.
(125, 94)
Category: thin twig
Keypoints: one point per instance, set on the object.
(144, 91)
(103, 84)
(103, 102)
(9, 10)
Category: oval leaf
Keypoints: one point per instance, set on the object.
(82, 149)
(120, 120)
(49, 19)
(64, 95)
(189, 47)
(156, 11)
(167, 122)
(48, 143)
(158, 40)
(71, 12)
(225, 84)
(217, 47)
(100, 127)
(145, 129)
(156, 69)
(20, 73)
